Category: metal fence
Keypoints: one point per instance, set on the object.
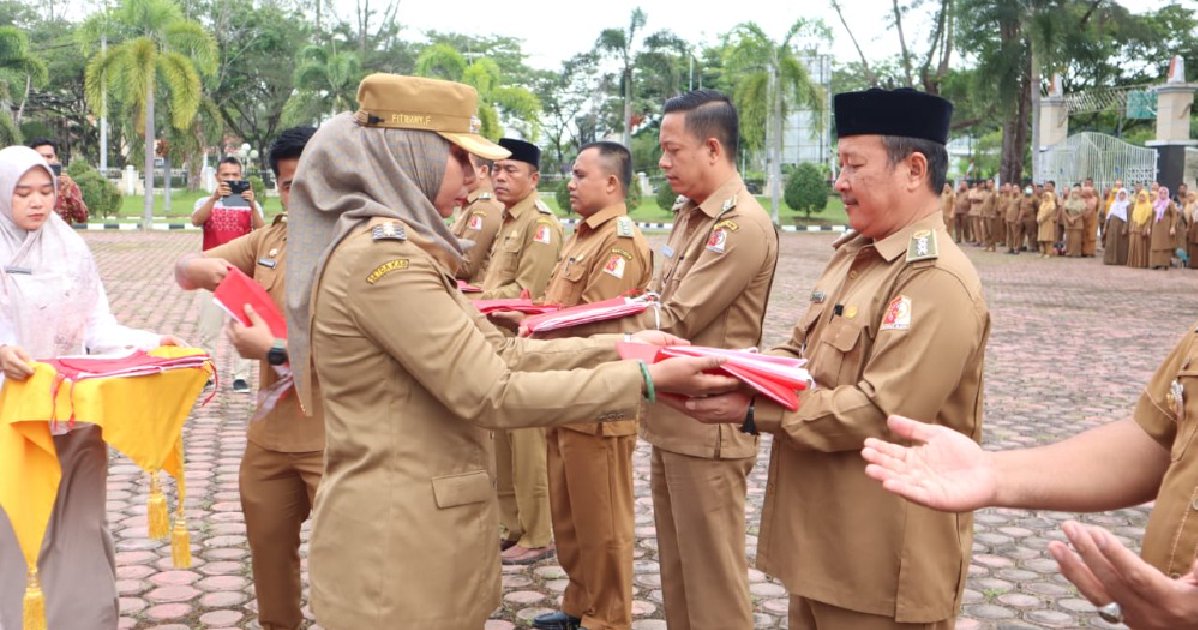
(1099, 156)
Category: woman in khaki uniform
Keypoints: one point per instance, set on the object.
(1046, 217)
(411, 375)
(1137, 239)
(1114, 234)
(1074, 217)
(947, 200)
(1162, 231)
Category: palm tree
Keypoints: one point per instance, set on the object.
(768, 81)
(326, 82)
(622, 45)
(163, 49)
(19, 66)
(515, 103)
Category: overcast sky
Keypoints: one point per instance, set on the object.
(555, 30)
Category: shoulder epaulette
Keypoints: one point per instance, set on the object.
(390, 231)
(624, 227)
(922, 246)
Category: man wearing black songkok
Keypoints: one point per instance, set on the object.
(896, 325)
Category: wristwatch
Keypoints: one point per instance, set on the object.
(277, 355)
(750, 424)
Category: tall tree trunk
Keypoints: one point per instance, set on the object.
(1034, 72)
(628, 106)
(167, 182)
(774, 142)
(906, 54)
(24, 99)
(1022, 126)
(148, 206)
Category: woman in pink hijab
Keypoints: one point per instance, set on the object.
(1162, 230)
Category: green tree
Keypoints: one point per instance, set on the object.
(631, 52)
(561, 193)
(19, 68)
(770, 80)
(326, 82)
(665, 196)
(102, 197)
(518, 105)
(807, 189)
(163, 50)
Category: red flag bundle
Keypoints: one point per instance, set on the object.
(518, 305)
(466, 287)
(778, 378)
(614, 308)
(238, 290)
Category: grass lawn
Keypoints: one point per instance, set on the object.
(182, 203)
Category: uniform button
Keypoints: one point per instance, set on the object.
(853, 275)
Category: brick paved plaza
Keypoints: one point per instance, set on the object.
(1072, 343)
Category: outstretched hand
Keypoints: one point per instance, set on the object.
(944, 470)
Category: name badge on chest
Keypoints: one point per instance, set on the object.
(268, 262)
(667, 251)
(18, 271)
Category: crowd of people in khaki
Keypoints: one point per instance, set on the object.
(431, 443)
(1143, 227)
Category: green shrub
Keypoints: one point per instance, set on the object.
(562, 194)
(102, 197)
(665, 196)
(806, 189)
(634, 194)
(259, 187)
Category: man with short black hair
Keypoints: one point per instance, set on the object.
(896, 322)
(284, 453)
(70, 205)
(479, 222)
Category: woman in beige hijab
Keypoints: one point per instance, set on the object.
(1114, 233)
(1137, 231)
(411, 376)
(1046, 217)
(1163, 230)
(1074, 217)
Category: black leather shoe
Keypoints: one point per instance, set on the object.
(557, 621)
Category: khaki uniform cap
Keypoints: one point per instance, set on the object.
(401, 102)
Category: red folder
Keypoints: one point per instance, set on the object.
(517, 305)
(466, 287)
(614, 308)
(238, 290)
(778, 378)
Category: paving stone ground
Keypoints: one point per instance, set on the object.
(1072, 343)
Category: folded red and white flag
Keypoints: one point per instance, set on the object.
(466, 287)
(519, 305)
(614, 308)
(778, 378)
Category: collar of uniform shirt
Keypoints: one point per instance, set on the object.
(522, 206)
(896, 244)
(605, 215)
(714, 205)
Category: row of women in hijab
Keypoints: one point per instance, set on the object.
(1146, 232)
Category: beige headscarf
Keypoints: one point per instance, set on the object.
(349, 174)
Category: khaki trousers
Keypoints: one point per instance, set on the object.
(210, 328)
(961, 228)
(980, 229)
(277, 491)
(808, 614)
(1014, 235)
(591, 497)
(699, 512)
(77, 568)
(523, 486)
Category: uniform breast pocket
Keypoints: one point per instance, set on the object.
(839, 357)
(462, 489)
(1184, 398)
(266, 274)
(512, 244)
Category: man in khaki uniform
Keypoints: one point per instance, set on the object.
(714, 275)
(411, 376)
(1119, 465)
(1028, 211)
(1014, 218)
(479, 222)
(976, 195)
(590, 463)
(284, 453)
(961, 231)
(522, 258)
(896, 324)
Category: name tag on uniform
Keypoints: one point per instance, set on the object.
(667, 251)
(20, 271)
(268, 262)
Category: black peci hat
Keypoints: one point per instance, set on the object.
(903, 112)
(522, 151)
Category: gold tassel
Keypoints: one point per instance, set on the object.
(159, 518)
(181, 543)
(35, 604)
